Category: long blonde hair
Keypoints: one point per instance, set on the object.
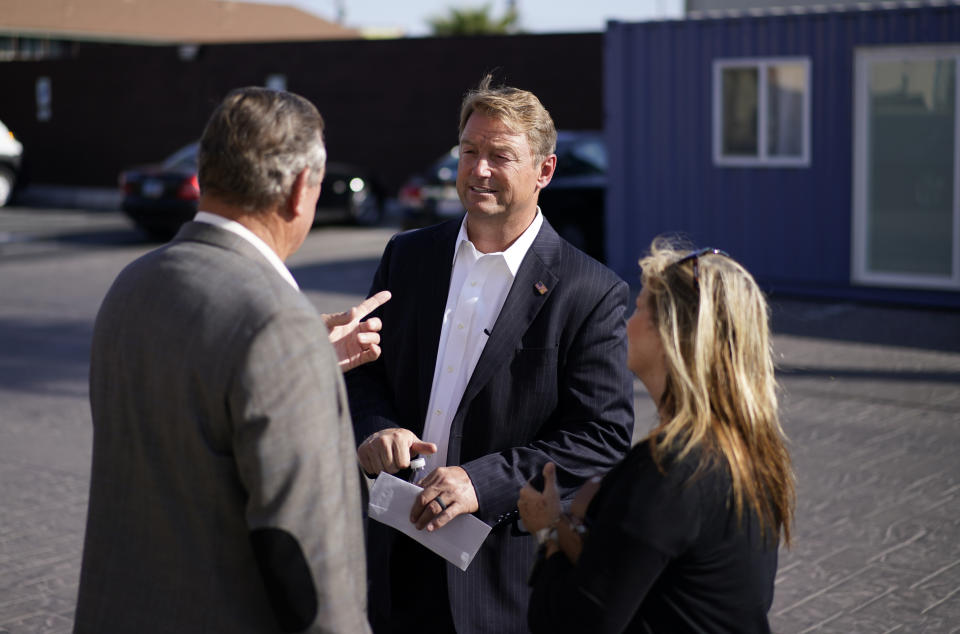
(721, 394)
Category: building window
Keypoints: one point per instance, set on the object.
(13, 48)
(906, 195)
(761, 112)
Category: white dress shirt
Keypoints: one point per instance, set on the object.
(479, 285)
(235, 227)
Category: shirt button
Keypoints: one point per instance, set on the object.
(459, 326)
(473, 283)
(449, 368)
(438, 412)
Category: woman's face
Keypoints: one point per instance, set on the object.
(645, 352)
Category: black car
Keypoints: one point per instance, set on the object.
(573, 202)
(160, 198)
(431, 197)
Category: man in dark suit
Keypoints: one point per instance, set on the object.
(219, 498)
(505, 350)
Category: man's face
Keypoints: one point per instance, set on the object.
(497, 174)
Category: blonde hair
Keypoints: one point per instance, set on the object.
(520, 110)
(721, 394)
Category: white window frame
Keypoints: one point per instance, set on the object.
(860, 274)
(762, 159)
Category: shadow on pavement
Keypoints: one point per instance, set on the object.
(910, 327)
(45, 358)
(108, 237)
(918, 376)
(341, 276)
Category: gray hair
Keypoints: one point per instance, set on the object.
(256, 143)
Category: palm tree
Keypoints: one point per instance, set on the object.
(476, 21)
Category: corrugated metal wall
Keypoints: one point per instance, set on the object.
(791, 226)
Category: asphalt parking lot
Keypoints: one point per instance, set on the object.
(870, 396)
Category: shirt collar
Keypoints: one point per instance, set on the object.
(515, 253)
(236, 228)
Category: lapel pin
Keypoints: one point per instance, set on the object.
(541, 288)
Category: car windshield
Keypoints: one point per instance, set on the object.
(185, 157)
(581, 156)
(578, 154)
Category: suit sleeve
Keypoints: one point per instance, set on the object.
(592, 424)
(294, 450)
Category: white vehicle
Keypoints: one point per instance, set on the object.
(10, 152)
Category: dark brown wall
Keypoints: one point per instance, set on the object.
(390, 105)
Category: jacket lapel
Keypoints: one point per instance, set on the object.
(531, 288)
(435, 269)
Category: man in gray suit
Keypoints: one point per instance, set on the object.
(224, 497)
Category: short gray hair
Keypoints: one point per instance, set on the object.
(256, 143)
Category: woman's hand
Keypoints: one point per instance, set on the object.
(570, 529)
(581, 501)
(540, 509)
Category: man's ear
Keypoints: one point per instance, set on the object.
(547, 168)
(298, 193)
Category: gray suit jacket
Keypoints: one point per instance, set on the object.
(224, 495)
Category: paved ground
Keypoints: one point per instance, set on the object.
(871, 401)
(875, 427)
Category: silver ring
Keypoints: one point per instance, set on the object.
(443, 507)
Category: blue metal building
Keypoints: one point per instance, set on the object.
(818, 148)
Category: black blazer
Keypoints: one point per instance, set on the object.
(552, 384)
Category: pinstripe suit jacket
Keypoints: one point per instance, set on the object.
(220, 500)
(552, 384)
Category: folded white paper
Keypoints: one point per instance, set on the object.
(457, 541)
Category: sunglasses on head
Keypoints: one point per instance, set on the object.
(695, 256)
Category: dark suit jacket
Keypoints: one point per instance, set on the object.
(552, 384)
(219, 498)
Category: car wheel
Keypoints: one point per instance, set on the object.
(6, 185)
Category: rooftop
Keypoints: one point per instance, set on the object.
(165, 21)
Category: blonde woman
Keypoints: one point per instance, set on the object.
(682, 535)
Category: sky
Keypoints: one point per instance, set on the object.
(536, 16)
